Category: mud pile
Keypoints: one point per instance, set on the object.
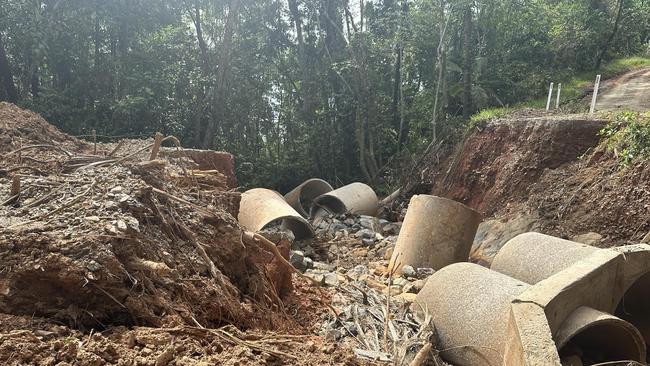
(126, 243)
(542, 173)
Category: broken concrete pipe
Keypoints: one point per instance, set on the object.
(356, 198)
(470, 306)
(534, 257)
(435, 233)
(597, 336)
(302, 197)
(261, 207)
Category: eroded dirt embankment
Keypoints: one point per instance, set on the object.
(110, 255)
(545, 174)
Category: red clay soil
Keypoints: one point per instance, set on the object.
(547, 166)
(126, 262)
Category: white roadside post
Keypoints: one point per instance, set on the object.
(550, 93)
(557, 100)
(593, 98)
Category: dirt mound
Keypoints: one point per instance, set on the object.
(20, 127)
(544, 174)
(499, 162)
(106, 238)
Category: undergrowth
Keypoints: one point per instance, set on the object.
(627, 136)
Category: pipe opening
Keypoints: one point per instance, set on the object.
(300, 229)
(312, 190)
(634, 307)
(593, 337)
(331, 204)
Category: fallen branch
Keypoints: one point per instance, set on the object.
(422, 355)
(51, 147)
(255, 238)
(4, 172)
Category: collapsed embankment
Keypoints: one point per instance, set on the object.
(122, 253)
(543, 173)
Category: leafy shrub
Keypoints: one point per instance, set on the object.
(628, 136)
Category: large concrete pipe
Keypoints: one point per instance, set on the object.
(533, 257)
(470, 306)
(592, 336)
(260, 207)
(302, 197)
(634, 306)
(357, 198)
(436, 232)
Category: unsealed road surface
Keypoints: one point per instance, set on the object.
(629, 92)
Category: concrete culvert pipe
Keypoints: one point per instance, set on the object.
(261, 207)
(436, 232)
(634, 307)
(589, 336)
(533, 257)
(470, 306)
(357, 198)
(302, 197)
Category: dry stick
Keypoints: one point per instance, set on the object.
(94, 134)
(156, 145)
(390, 283)
(114, 151)
(172, 138)
(422, 355)
(21, 167)
(53, 147)
(15, 185)
(271, 247)
(108, 294)
(14, 193)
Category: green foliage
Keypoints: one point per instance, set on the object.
(490, 114)
(346, 100)
(628, 137)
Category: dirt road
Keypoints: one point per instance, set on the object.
(630, 91)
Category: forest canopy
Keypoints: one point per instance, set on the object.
(300, 88)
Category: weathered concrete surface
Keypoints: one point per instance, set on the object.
(355, 198)
(527, 326)
(436, 232)
(533, 257)
(628, 92)
(470, 306)
(260, 207)
(301, 197)
(589, 330)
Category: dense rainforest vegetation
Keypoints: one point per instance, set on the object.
(300, 88)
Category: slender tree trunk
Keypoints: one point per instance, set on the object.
(467, 62)
(10, 92)
(612, 35)
(397, 81)
(440, 65)
(205, 61)
(223, 67)
(202, 112)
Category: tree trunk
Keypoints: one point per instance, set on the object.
(467, 62)
(223, 66)
(397, 81)
(440, 65)
(609, 39)
(10, 92)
